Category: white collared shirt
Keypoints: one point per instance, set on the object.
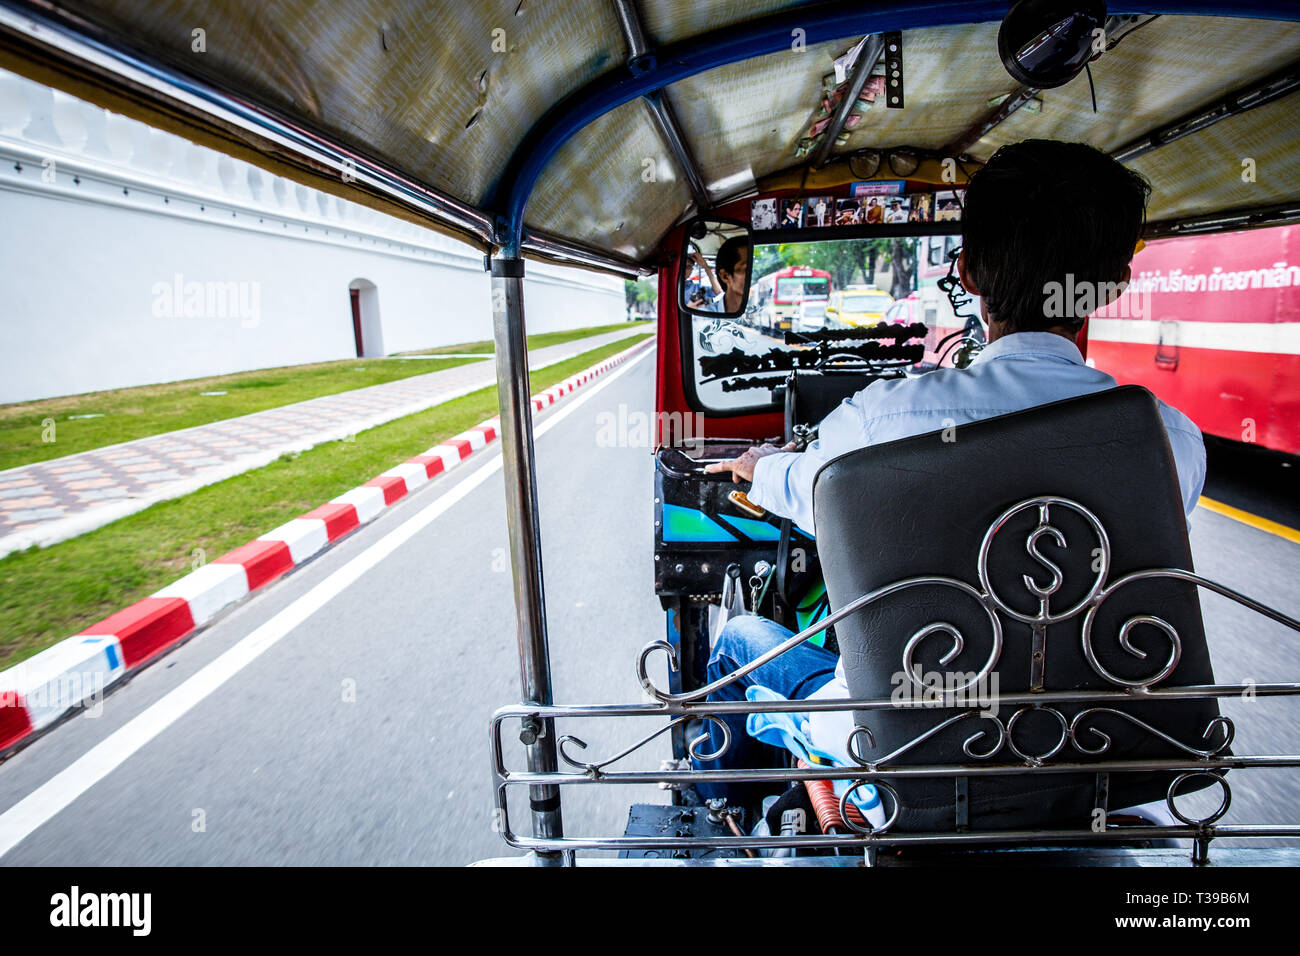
(1015, 372)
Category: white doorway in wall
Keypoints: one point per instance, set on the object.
(367, 331)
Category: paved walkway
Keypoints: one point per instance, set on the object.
(61, 498)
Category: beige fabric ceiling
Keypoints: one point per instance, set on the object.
(419, 86)
(1167, 69)
(624, 189)
(397, 79)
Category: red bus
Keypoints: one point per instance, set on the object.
(790, 296)
(1211, 324)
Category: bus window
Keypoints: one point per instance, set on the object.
(796, 289)
(936, 252)
(869, 302)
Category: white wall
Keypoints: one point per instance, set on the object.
(101, 219)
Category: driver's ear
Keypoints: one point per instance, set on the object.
(965, 279)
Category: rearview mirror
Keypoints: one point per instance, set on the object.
(1047, 43)
(714, 274)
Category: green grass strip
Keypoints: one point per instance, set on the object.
(131, 413)
(52, 593)
(538, 341)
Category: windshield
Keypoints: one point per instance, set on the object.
(866, 303)
(739, 370)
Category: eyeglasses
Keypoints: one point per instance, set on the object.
(903, 161)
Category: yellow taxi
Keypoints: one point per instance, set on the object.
(857, 305)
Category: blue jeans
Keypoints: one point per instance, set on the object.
(794, 675)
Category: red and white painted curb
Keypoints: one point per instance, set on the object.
(35, 693)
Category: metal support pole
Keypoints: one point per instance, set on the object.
(630, 20)
(1273, 87)
(538, 736)
(670, 131)
(862, 67)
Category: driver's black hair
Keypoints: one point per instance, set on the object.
(1039, 211)
(730, 253)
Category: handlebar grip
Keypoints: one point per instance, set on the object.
(676, 464)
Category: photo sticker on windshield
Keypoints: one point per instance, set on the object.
(848, 212)
(819, 212)
(762, 214)
(791, 213)
(947, 207)
(897, 209)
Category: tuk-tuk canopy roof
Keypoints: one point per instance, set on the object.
(457, 114)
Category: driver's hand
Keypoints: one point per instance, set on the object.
(742, 468)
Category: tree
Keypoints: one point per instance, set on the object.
(902, 258)
(849, 261)
(845, 260)
(640, 292)
(767, 259)
(873, 250)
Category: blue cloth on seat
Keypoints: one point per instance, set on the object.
(790, 730)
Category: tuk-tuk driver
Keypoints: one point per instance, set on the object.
(1037, 212)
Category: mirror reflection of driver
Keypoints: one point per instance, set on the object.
(730, 281)
(1077, 212)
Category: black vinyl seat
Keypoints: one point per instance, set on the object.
(812, 394)
(925, 507)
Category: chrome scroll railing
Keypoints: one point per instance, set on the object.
(1080, 747)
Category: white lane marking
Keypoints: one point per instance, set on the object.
(53, 796)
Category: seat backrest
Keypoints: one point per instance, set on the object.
(944, 504)
(812, 394)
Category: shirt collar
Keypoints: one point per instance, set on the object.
(1031, 343)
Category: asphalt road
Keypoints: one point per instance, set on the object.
(351, 723)
(1254, 479)
(285, 769)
